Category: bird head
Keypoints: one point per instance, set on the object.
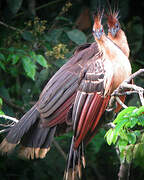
(112, 22)
(97, 27)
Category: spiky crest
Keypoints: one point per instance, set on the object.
(98, 18)
(112, 15)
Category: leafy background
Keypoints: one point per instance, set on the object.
(37, 38)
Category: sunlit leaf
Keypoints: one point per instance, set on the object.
(77, 36)
(1, 112)
(1, 101)
(29, 67)
(41, 60)
(125, 113)
(141, 120)
(109, 136)
(132, 122)
(131, 138)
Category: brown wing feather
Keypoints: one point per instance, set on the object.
(90, 101)
(63, 86)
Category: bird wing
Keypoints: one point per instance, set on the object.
(59, 93)
(92, 98)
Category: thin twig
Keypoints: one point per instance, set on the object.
(10, 27)
(121, 103)
(10, 118)
(140, 71)
(109, 125)
(60, 149)
(3, 131)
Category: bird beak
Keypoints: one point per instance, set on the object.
(113, 31)
(97, 34)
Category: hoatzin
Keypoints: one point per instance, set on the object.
(115, 33)
(97, 80)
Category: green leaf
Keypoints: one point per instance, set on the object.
(141, 120)
(129, 153)
(1, 112)
(109, 136)
(77, 36)
(1, 101)
(137, 133)
(123, 114)
(131, 138)
(132, 122)
(15, 59)
(29, 67)
(62, 18)
(41, 60)
(118, 129)
(33, 54)
(2, 57)
(2, 66)
(28, 36)
(122, 144)
(140, 110)
(54, 35)
(14, 5)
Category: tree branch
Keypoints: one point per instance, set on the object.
(123, 89)
(10, 27)
(10, 118)
(124, 171)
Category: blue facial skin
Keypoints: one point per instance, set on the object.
(114, 30)
(98, 33)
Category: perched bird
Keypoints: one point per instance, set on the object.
(115, 33)
(36, 129)
(118, 36)
(97, 80)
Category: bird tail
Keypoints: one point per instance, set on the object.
(34, 141)
(75, 157)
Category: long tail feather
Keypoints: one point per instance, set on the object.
(75, 157)
(16, 132)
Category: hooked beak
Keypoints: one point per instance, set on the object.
(113, 31)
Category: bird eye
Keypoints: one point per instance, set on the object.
(116, 25)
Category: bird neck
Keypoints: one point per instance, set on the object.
(121, 41)
(107, 47)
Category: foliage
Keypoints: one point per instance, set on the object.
(128, 134)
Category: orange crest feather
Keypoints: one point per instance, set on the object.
(112, 18)
(98, 19)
